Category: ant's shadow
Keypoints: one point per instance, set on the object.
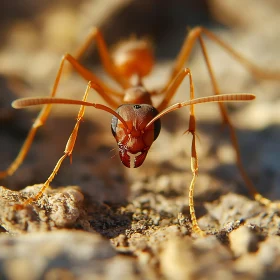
(107, 218)
(259, 154)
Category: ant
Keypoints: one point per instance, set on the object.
(136, 121)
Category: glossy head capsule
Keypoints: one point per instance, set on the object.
(135, 140)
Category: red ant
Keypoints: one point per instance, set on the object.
(136, 123)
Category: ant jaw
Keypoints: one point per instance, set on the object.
(132, 160)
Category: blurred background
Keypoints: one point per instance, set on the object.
(35, 35)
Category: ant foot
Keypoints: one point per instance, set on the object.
(262, 200)
(18, 207)
(23, 205)
(267, 202)
(197, 230)
(275, 205)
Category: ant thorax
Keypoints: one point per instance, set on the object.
(137, 95)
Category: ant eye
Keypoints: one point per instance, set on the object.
(114, 124)
(157, 126)
(137, 106)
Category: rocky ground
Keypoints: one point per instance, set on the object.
(100, 220)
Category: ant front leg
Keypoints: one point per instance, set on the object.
(192, 129)
(67, 153)
(194, 161)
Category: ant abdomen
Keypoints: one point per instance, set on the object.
(133, 57)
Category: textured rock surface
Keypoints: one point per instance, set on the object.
(59, 209)
(103, 221)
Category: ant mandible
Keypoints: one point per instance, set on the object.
(136, 123)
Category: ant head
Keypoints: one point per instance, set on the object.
(134, 139)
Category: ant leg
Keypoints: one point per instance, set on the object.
(40, 120)
(67, 152)
(89, 76)
(188, 45)
(223, 110)
(175, 83)
(85, 73)
(192, 125)
(183, 57)
(106, 60)
(194, 168)
(194, 161)
(101, 88)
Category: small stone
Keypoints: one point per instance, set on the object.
(177, 259)
(56, 208)
(249, 264)
(242, 241)
(269, 251)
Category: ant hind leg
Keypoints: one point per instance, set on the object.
(194, 34)
(226, 120)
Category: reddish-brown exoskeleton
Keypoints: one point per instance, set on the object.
(136, 121)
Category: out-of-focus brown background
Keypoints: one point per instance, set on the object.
(35, 35)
